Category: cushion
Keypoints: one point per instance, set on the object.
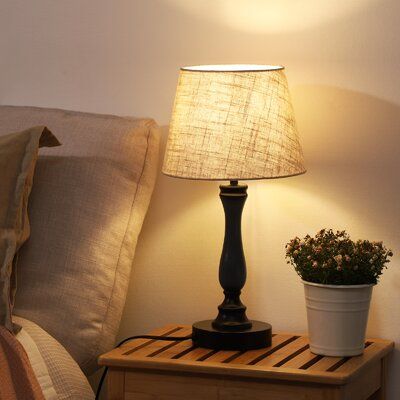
(58, 374)
(86, 209)
(18, 154)
(38, 365)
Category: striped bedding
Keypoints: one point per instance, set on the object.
(17, 378)
(48, 371)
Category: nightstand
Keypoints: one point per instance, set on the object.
(287, 370)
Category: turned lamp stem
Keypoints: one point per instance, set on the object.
(232, 267)
(232, 330)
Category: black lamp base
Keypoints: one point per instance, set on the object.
(257, 337)
(231, 329)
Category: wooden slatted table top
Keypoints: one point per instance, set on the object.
(288, 358)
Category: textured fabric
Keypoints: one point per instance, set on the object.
(69, 382)
(38, 365)
(17, 379)
(86, 210)
(233, 123)
(18, 154)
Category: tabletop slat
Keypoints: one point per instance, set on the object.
(198, 354)
(177, 351)
(325, 363)
(304, 360)
(285, 352)
(136, 344)
(159, 346)
(251, 355)
(354, 363)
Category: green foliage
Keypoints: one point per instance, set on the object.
(334, 259)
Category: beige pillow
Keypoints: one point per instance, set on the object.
(18, 155)
(86, 210)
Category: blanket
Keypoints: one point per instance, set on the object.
(17, 379)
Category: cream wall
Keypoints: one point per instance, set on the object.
(343, 65)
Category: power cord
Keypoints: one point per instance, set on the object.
(151, 337)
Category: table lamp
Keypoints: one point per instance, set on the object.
(232, 122)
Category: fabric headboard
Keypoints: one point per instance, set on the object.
(86, 209)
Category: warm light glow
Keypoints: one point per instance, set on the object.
(233, 122)
(270, 15)
(232, 68)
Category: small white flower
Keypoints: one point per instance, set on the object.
(338, 259)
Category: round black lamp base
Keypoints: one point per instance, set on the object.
(257, 337)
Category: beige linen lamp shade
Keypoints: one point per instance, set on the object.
(233, 122)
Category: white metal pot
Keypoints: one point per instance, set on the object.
(337, 318)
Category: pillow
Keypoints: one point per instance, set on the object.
(86, 210)
(18, 155)
(58, 374)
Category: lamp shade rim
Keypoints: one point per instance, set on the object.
(232, 68)
(233, 178)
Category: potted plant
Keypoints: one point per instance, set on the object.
(338, 276)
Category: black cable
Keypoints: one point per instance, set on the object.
(151, 337)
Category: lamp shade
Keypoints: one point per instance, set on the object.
(233, 122)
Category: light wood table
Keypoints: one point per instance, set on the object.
(158, 370)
